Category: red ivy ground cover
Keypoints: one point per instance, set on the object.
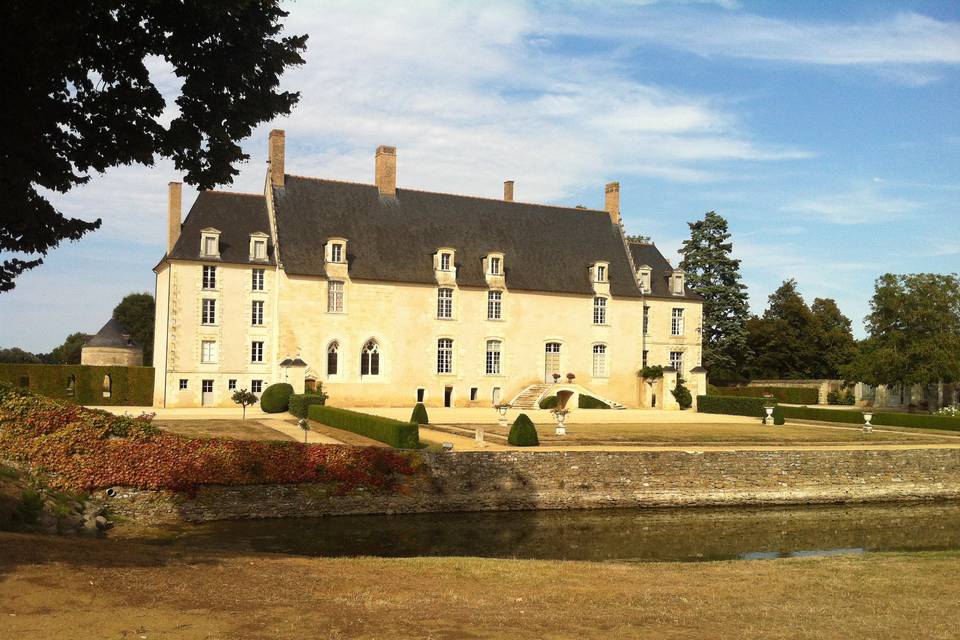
(85, 449)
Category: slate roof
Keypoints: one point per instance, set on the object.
(112, 334)
(648, 254)
(393, 239)
(235, 216)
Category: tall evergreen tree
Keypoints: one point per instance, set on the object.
(712, 272)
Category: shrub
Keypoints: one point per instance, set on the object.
(840, 397)
(918, 421)
(549, 402)
(299, 403)
(276, 397)
(131, 386)
(778, 417)
(732, 405)
(789, 395)
(403, 435)
(419, 415)
(682, 394)
(245, 399)
(589, 402)
(523, 433)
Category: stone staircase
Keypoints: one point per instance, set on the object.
(527, 399)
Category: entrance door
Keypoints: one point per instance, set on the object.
(551, 360)
(206, 393)
(448, 396)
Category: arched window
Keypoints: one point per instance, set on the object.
(71, 384)
(370, 359)
(493, 357)
(333, 358)
(444, 355)
(599, 361)
(107, 386)
(599, 310)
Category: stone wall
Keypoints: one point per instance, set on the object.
(510, 480)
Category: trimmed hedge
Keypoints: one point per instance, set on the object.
(731, 405)
(129, 386)
(549, 402)
(419, 415)
(789, 395)
(403, 435)
(276, 397)
(589, 402)
(914, 420)
(300, 403)
(523, 433)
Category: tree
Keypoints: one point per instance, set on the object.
(136, 313)
(16, 355)
(714, 274)
(784, 338)
(244, 398)
(80, 97)
(833, 338)
(68, 352)
(914, 332)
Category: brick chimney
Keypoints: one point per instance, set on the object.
(276, 153)
(612, 202)
(174, 211)
(508, 190)
(386, 170)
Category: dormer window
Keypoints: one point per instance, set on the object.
(258, 246)
(644, 278)
(336, 251)
(676, 283)
(600, 271)
(210, 243)
(445, 261)
(495, 265)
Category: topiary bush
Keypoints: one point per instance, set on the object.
(403, 435)
(276, 397)
(523, 433)
(419, 415)
(778, 417)
(549, 402)
(682, 394)
(300, 403)
(732, 405)
(589, 402)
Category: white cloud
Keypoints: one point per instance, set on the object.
(853, 207)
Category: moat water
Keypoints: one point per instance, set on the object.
(624, 535)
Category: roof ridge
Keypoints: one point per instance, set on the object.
(457, 195)
(233, 193)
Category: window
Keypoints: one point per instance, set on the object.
(444, 355)
(421, 392)
(643, 362)
(208, 351)
(206, 386)
(334, 296)
(209, 311)
(599, 310)
(474, 392)
(256, 283)
(646, 320)
(336, 252)
(370, 359)
(209, 277)
(71, 384)
(232, 384)
(209, 247)
(256, 386)
(444, 262)
(676, 323)
(494, 300)
(644, 279)
(256, 351)
(183, 384)
(676, 360)
(107, 386)
(256, 313)
(678, 284)
(258, 250)
(601, 273)
(493, 357)
(445, 303)
(599, 361)
(495, 266)
(333, 358)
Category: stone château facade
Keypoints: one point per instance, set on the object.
(389, 296)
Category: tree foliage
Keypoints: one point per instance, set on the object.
(136, 313)
(69, 351)
(16, 355)
(81, 97)
(914, 331)
(713, 273)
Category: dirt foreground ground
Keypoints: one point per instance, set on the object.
(54, 587)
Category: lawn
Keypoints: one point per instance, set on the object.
(237, 429)
(683, 434)
(53, 587)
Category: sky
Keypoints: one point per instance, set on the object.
(827, 134)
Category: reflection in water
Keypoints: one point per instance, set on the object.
(639, 535)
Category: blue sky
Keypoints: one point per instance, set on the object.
(826, 133)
